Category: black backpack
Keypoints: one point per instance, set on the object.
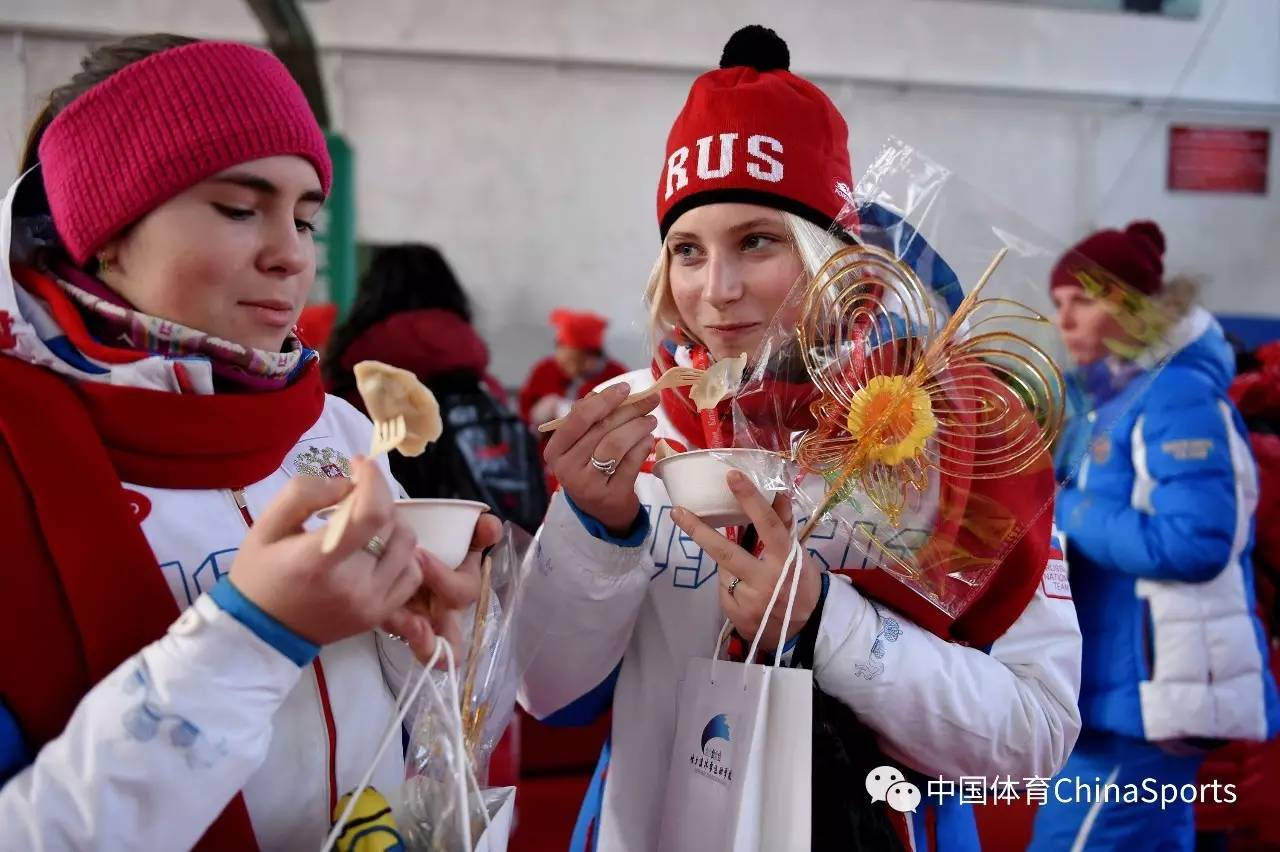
(486, 453)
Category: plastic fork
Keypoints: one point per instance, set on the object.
(387, 435)
(675, 377)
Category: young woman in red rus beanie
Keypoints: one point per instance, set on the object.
(1159, 529)
(194, 670)
(746, 195)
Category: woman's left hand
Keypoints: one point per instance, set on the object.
(756, 576)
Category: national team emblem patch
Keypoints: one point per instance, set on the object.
(1102, 449)
(323, 461)
(1055, 581)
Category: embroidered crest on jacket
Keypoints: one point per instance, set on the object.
(323, 461)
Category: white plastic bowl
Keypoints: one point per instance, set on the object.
(444, 527)
(696, 481)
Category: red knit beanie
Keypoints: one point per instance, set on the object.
(579, 329)
(1135, 256)
(163, 124)
(752, 132)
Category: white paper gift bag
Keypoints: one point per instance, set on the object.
(498, 832)
(741, 761)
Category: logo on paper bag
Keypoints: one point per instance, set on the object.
(716, 729)
(716, 750)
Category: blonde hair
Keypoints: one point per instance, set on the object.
(1180, 294)
(1146, 320)
(812, 243)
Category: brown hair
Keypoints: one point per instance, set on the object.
(98, 65)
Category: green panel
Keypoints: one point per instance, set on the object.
(336, 232)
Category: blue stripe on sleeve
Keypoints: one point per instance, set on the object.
(264, 625)
(634, 538)
(14, 756)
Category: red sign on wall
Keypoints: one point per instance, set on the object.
(1218, 159)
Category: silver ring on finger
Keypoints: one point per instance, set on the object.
(734, 585)
(608, 468)
(375, 547)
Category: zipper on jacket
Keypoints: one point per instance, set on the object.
(237, 494)
(326, 706)
(1082, 476)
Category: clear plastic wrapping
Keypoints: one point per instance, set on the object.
(451, 740)
(918, 383)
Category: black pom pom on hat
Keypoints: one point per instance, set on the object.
(756, 47)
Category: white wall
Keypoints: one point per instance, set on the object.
(950, 41)
(526, 138)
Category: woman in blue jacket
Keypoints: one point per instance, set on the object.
(1158, 523)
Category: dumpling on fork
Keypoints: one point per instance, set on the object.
(389, 392)
(719, 382)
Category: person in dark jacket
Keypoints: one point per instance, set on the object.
(412, 313)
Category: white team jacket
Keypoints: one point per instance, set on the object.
(940, 708)
(264, 724)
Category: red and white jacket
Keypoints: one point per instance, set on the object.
(155, 750)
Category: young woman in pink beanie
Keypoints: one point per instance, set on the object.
(183, 665)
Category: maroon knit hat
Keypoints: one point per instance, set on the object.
(752, 132)
(1134, 255)
(163, 124)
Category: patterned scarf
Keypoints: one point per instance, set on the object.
(114, 321)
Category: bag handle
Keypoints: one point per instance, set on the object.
(793, 565)
(794, 558)
(466, 779)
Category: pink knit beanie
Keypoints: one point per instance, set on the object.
(163, 124)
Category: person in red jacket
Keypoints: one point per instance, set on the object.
(578, 366)
(1247, 823)
(1256, 392)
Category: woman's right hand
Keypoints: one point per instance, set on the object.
(325, 597)
(600, 427)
